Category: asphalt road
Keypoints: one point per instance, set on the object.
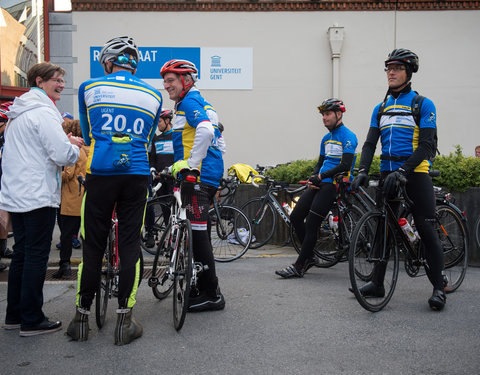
(312, 325)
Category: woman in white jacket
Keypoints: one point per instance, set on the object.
(35, 150)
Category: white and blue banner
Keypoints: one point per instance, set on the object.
(219, 68)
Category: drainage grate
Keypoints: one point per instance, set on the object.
(147, 272)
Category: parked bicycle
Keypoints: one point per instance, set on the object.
(453, 224)
(262, 211)
(477, 231)
(173, 266)
(378, 239)
(230, 230)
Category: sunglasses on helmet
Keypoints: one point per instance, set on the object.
(125, 60)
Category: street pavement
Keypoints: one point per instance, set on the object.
(312, 325)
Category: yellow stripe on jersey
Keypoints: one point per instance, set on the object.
(396, 126)
(397, 107)
(332, 141)
(188, 136)
(90, 154)
(125, 85)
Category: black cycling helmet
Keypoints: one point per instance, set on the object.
(332, 104)
(405, 57)
(166, 113)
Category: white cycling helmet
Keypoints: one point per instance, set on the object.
(120, 46)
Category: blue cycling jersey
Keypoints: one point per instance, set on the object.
(192, 111)
(399, 133)
(337, 142)
(118, 116)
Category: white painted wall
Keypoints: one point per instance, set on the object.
(277, 121)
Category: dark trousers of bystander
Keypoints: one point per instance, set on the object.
(33, 238)
(68, 227)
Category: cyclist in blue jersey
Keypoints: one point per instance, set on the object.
(197, 143)
(406, 149)
(161, 157)
(337, 154)
(118, 115)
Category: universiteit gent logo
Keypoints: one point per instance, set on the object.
(216, 61)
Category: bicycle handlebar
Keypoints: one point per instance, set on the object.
(81, 181)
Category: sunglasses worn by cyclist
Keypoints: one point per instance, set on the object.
(395, 68)
(125, 60)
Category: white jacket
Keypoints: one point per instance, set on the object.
(36, 147)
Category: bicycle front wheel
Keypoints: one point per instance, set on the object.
(230, 233)
(161, 281)
(373, 257)
(263, 220)
(453, 237)
(182, 274)
(105, 285)
(157, 227)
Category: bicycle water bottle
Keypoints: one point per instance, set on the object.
(333, 222)
(287, 208)
(407, 229)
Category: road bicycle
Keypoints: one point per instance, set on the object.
(158, 206)
(332, 243)
(262, 211)
(229, 228)
(110, 272)
(477, 231)
(173, 266)
(378, 242)
(333, 238)
(453, 225)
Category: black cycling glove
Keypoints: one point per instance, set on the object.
(360, 180)
(315, 180)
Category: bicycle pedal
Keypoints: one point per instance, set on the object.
(152, 282)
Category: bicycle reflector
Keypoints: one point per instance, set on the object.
(191, 178)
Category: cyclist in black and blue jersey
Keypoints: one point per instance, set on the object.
(197, 143)
(118, 116)
(337, 154)
(406, 149)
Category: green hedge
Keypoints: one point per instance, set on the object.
(458, 172)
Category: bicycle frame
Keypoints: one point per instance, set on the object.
(114, 253)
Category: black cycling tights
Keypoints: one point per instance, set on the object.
(313, 206)
(420, 190)
(198, 200)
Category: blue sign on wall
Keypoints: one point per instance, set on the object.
(151, 60)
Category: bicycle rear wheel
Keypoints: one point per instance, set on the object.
(330, 248)
(104, 288)
(477, 231)
(230, 233)
(157, 227)
(182, 274)
(453, 237)
(161, 281)
(263, 220)
(371, 261)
